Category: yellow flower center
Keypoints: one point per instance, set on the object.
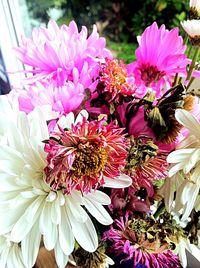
(90, 160)
(118, 77)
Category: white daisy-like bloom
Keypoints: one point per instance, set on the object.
(185, 171)
(30, 208)
(195, 4)
(10, 253)
(191, 27)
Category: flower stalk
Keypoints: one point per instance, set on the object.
(192, 65)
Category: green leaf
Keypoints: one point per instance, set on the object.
(161, 5)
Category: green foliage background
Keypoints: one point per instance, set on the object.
(119, 21)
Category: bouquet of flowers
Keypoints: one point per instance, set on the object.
(100, 160)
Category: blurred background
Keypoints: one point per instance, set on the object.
(119, 21)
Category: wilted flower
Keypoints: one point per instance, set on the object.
(141, 241)
(114, 80)
(97, 259)
(145, 163)
(161, 116)
(84, 157)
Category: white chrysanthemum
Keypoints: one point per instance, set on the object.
(191, 27)
(187, 190)
(188, 154)
(10, 254)
(29, 208)
(185, 171)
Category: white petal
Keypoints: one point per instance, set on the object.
(27, 220)
(38, 125)
(189, 141)
(9, 153)
(8, 183)
(61, 258)
(4, 257)
(186, 119)
(66, 237)
(121, 181)
(22, 122)
(180, 200)
(77, 211)
(98, 212)
(109, 261)
(15, 258)
(79, 118)
(196, 174)
(55, 212)
(50, 232)
(50, 236)
(77, 195)
(13, 167)
(9, 216)
(85, 234)
(99, 197)
(17, 140)
(65, 122)
(192, 161)
(30, 246)
(4, 104)
(182, 254)
(173, 170)
(51, 196)
(44, 217)
(193, 193)
(179, 155)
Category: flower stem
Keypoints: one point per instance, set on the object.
(175, 80)
(160, 210)
(189, 51)
(196, 52)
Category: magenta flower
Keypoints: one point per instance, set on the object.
(159, 57)
(56, 53)
(129, 240)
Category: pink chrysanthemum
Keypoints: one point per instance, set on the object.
(63, 99)
(85, 156)
(132, 239)
(159, 57)
(55, 53)
(145, 163)
(114, 79)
